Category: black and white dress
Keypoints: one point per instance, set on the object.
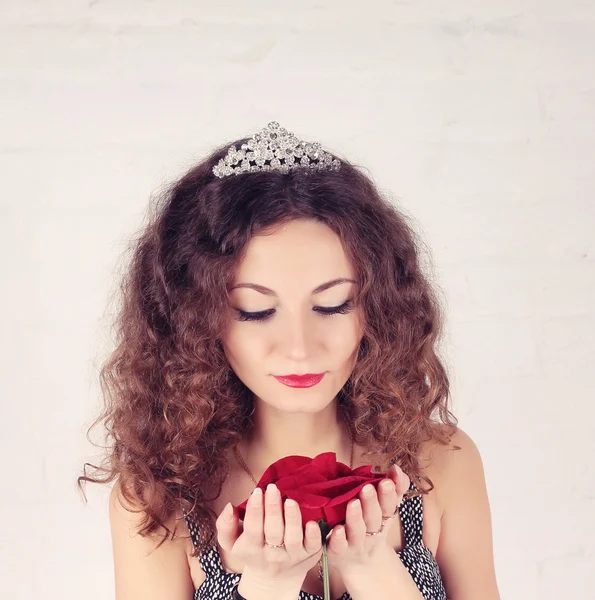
(418, 560)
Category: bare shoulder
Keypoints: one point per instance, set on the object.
(443, 462)
(142, 570)
(465, 546)
(436, 462)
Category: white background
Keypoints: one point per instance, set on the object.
(476, 118)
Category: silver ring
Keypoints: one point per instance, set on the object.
(281, 545)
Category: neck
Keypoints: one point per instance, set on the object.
(277, 434)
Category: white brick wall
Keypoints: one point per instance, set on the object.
(477, 117)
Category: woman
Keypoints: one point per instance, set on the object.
(275, 306)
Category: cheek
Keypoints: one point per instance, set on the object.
(245, 362)
(246, 351)
(235, 345)
(241, 348)
(343, 336)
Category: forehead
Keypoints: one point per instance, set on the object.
(301, 247)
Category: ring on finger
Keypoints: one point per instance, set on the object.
(376, 532)
(271, 494)
(393, 516)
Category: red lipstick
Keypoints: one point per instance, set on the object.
(300, 381)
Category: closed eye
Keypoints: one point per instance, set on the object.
(325, 311)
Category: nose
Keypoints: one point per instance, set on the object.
(297, 337)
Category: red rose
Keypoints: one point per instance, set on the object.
(321, 486)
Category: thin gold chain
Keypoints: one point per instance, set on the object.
(245, 467)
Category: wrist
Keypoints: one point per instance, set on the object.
(383, 559)
(254, 587)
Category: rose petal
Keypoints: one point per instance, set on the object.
(322, 486)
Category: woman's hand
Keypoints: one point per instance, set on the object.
(274, 524)
(348, 546)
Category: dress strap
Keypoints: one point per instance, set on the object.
(412, 518)
(192, 528)
(207, 563)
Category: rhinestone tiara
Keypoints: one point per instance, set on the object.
(275, 149)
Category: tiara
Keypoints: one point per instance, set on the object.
(275, 149)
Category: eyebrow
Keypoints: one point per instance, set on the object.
(268, 292)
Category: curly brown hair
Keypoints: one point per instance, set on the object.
(173, 405)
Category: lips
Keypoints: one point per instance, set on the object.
(307, 380)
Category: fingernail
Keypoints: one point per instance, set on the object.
(228, 512)
(257, 492)
(387, 486)
(368, 489)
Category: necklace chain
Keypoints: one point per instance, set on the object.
(245, 467)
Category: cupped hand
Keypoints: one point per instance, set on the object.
(348, 545)
(269, 522)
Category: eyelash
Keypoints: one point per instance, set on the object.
(324, 311)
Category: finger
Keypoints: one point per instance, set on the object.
(253, 520)
(338, 540)
(227, 527)
(312, 538)
(402, 482)
(294, 535)
(354, 523)
(274, 526)
(371, 511)
(388, 497)
(393, 473)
